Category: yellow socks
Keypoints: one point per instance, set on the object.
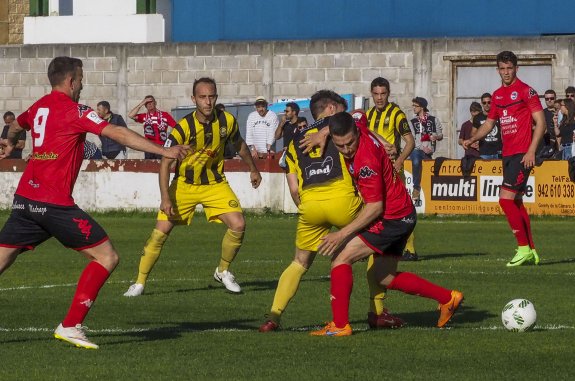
(376, 291)
(231, 244)
(286, 289)
(410, 245)
(150, 254)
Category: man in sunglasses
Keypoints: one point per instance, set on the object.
(570, 92)
(550, 111)
(490, 146)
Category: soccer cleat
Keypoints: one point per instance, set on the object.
(409, 256)
(227, 279)
(74, 335)
(136, 289)
(269, 326)
(384, 320)
(447, 310)
(535, 258)
(522, 255)
(331, 330)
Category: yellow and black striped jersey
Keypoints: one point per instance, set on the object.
(319, 177)
(390, 123)
(206, 164)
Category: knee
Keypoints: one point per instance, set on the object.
(238, 224)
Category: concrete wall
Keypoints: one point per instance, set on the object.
(124, 73)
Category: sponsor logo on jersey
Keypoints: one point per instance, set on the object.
(168, 143)
(365, 172)
(16, 205)
(323, 168)
(233, 204)
(532, 92)
(94, 117)
(44, 156)
(514, 95)
(223, 132)
(454, 188)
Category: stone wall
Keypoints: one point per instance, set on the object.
(17, 10)
(124, 73)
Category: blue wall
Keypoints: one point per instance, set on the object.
(236, 20)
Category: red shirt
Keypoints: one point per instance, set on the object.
(513, 106)
(376, 179)
(156, 125)
(58, 127)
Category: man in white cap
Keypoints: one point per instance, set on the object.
(260, 129)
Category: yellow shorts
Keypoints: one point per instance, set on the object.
(316, 218)
(216, 199)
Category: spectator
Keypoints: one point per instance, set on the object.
(220, 106)
(156, 123)
(260, 129)
(287, 127)
(570, 92)
(467, 128)
(110, 148)
(550, 111)
(564, 132)
(557, 105)
(427, 130)
(17, 151)
(489, 147)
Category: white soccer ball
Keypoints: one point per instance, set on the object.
(519, 315)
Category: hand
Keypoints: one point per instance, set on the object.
(310, 141)
(467, 143)
(5, 150)
(330, 243)
(254, 153)
(398, 165)
(167, 207)
(146, 100)
(528, 160)
(427, 150)
(475, 145)
(391, 150)
(255, 178)
(177, 152)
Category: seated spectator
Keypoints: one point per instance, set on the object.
(260, 129)
(110, 148)
(564, 132)
(157, 123)
(467, 128)
(491, 145)
(19, 147)
(91, 151)
(427, 131)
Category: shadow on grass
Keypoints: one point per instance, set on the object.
(427, 319)
(174, 331)
(448, 255)
(546, 262)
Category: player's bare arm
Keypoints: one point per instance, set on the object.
(166, 205)
(280, 129)
(129, 138)
(293, 185)
(479, 133)
(245, 154)
(538, 131)
(409, 146)
(332, 241)
(11, 140)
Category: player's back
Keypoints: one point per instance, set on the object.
(58, 127)
(372, 161)
(320, 177)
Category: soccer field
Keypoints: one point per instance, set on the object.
(186, 327)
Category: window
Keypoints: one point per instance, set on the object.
(38, 8)
(146, 7)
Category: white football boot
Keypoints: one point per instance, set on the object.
(227, 279)
(136, 289)
(74, 335)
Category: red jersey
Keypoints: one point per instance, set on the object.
(513, 106)
(156, 125)
(376, 179)
(58, 127)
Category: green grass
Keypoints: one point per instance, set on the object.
(186, 327)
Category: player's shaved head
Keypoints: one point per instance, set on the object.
(321, 99)
(61, 67)
(342, 124)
